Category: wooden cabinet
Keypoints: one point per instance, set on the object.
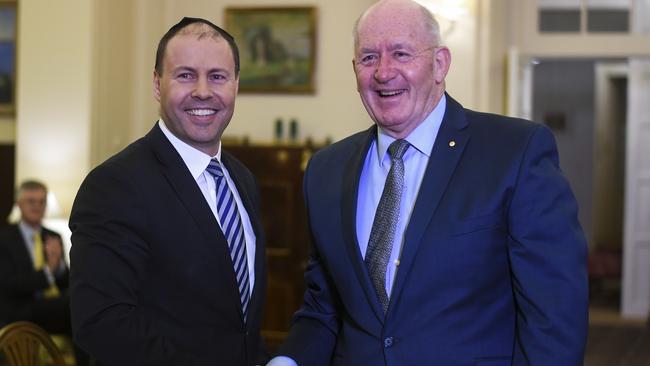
(7, 172)
(279, 170)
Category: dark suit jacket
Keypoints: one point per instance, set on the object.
(492, 268)
(19, 282)
(152, 282)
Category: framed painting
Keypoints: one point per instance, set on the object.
(7, 56)
(277, 47)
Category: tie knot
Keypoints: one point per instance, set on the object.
(398, 148)
(214, 168)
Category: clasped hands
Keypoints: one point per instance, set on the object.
(53, 252)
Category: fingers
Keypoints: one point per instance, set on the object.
(53, 249)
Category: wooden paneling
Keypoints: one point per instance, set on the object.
(7, 177)
(279, 170)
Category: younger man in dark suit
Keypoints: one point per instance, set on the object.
(167, 244)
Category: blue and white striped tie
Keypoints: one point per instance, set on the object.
(233, 230)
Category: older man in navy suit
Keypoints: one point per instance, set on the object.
(441, 236)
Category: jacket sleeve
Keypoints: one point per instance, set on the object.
(109, 258)
(547, 250)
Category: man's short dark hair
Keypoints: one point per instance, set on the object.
(162, 45)
(30, 185)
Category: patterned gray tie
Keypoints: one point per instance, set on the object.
(382, 233)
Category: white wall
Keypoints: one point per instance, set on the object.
(335, 110)
(53, 94)
(462, 40)
(85, 80)
(123, 37)
(125, 34)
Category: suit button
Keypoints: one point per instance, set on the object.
(388, 342)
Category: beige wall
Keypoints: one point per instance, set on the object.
(85, 88)
(125, 34)
(7, 130)
(53, 94)
(113, 78)
(335, 109)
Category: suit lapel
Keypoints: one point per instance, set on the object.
(445, 155)
(179, 178)
(349, 198)
(24, 259)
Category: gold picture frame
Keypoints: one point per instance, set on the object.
(8, 19)
(277, 47)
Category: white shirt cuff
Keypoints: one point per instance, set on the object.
(282, 361)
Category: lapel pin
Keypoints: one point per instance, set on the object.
(452, 143)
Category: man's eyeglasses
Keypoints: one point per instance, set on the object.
(372, 59)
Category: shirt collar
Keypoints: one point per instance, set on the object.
(195, 159)
(421, 138)
(28, 230)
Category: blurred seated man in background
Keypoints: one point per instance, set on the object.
(33, 274)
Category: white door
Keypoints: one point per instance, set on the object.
(520, 84)
(636, 237)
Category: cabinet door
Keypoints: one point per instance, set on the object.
(7, 172)
(279, 171)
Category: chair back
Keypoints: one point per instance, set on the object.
(21, 342)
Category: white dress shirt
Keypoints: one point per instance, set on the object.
(197, 161)
(28, 232)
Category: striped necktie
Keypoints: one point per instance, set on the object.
(233, 230)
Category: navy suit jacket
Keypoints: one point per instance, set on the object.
(19, 282)
(493, 265)
(152, 282)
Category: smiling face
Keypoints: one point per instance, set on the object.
(399, 67)
(197, 87)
